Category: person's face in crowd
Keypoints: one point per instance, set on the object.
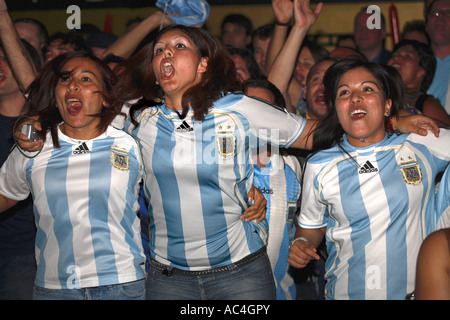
(260, 47)
(367, 39)
(241, 67)
(304, 63)
(361, 107)
(78, 97)
(176, 63)
(8, 83)
(56, 48)
(235, 35)
(438, 22)
(406, 61)
(317, 104)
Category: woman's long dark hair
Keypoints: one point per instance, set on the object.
(42, 99)
(137, 80)
(329, 131)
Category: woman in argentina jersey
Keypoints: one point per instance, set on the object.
(371, 193)
(84, 183)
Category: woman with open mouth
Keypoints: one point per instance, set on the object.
(369, 191)
(84, 182)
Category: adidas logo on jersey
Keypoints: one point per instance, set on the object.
(184, 127)
(82, 148)
(367, 168)
(265, 190)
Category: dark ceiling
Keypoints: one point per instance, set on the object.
(63, 4)
(26, 5)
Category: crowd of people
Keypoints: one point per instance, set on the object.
(257, 165)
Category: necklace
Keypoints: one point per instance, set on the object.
(77, 141)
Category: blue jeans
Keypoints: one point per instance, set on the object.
(17, 274)
(253, 281)
(125, 291)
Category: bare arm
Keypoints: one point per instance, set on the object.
(305, 141)
(126, 44)
(418, 124)
(283, 10)
(19, 60)
(283, 66)
(433, 268)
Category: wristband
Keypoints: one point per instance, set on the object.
(298, 239)
(283, 24)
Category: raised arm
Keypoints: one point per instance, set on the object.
(126, 44)
(283, 10)
(418, 124)
(18, 57)
(281, 70)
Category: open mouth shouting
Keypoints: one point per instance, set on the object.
(357, 114)
(321, 98)
(167, 70)
(74, 105)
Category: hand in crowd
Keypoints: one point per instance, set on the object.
(22, 140)
(418, 124)
(283, 10)
(305, 17)
(258, 209)
(301, 253)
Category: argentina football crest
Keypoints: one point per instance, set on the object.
(410, 169)
(226, 140)
(120, 158)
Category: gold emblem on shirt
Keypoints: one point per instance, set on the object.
(226, 141)
(120, 158)
(411, 171)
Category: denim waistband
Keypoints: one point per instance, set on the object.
(169, 270)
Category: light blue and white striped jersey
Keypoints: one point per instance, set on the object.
(197, 176)
(378, 204)
(280, 184)
(85, 204)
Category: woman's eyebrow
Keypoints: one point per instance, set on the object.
(372, 82)
(362, 83)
